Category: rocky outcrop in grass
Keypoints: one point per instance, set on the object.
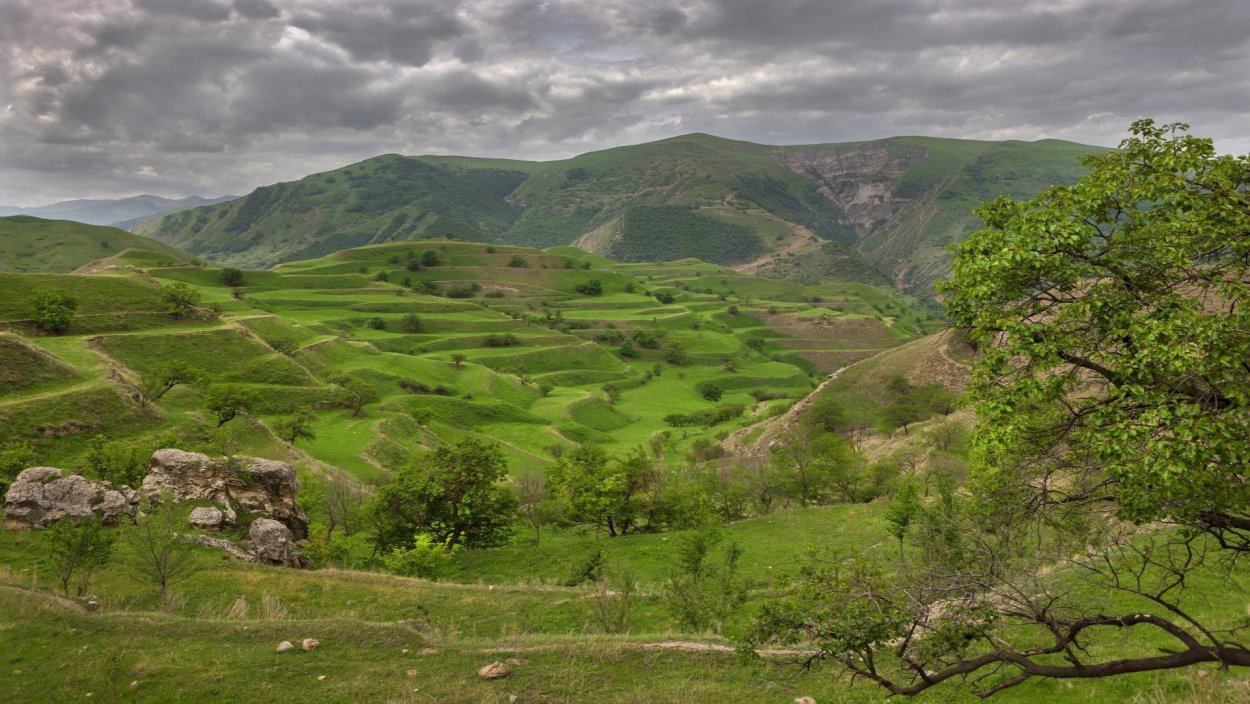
(41, 496)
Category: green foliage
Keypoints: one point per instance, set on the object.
(902, 511)
(161, 380)
(122, 462)
(76, 548)
(701, 595)
(593, 287)
(153, 548)
(424, 557)
(356, 392)
(231, 277)
(15, 455)
(1111, 319)
(706, 418)
(225, 401)
(52, 311)
(667, 233)
(179, 299)
(295, 427)
(451, 494)
(710, 391)
(598, 490)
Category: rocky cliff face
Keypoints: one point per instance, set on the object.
(860, 180)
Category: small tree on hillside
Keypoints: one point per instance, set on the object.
(457, 359)
(53, 311)
(452, 494)
(356, 392)
(295, 427)
(231, 277)
(165, 377)
(154, 548)
(225, 402)
(179, 299)
(76, 547)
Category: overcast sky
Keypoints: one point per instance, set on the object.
(105, 98)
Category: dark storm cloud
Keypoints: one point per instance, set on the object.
(112, 97)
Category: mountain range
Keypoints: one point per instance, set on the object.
(878, 211)
(122, 212)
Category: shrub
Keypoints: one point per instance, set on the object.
(231, 277)
(424, 558)
(591, 288)
(53, 311)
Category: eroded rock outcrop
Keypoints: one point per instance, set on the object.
(240, 485)
(273, 543)
(41, 496)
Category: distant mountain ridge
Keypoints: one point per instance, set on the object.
(120, 212)
(877, 211)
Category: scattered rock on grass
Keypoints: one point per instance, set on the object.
(309, 644)
(285, 646)
(494, 671)
(804, 700)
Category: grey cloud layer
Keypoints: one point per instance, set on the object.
(112, 97)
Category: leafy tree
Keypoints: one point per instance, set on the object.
(231, 277)
(179, 299)
(356, 391)
(458, 359)
(295, 427)
(76, 547)
(452, 494)
(594, 287)
(812, 467)
(518, 261)
(410, 323)
(165, 377)
(225, 402)
(1110, 318)
(595, 489)
(430, 258)
(710, 391)
(52, 311)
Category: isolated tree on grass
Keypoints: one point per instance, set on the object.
(231, 277)
(1113, 398)
(356, 391)
(165, 377)
(457, 359)
(225, 402)
(53, 311)
(295, 427)
(179, 299)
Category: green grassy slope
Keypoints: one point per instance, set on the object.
(886, 207)
(32, 244)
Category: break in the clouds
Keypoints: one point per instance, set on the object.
(115, 97)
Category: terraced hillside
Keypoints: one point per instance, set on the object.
(875, 212)
(445, 338)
